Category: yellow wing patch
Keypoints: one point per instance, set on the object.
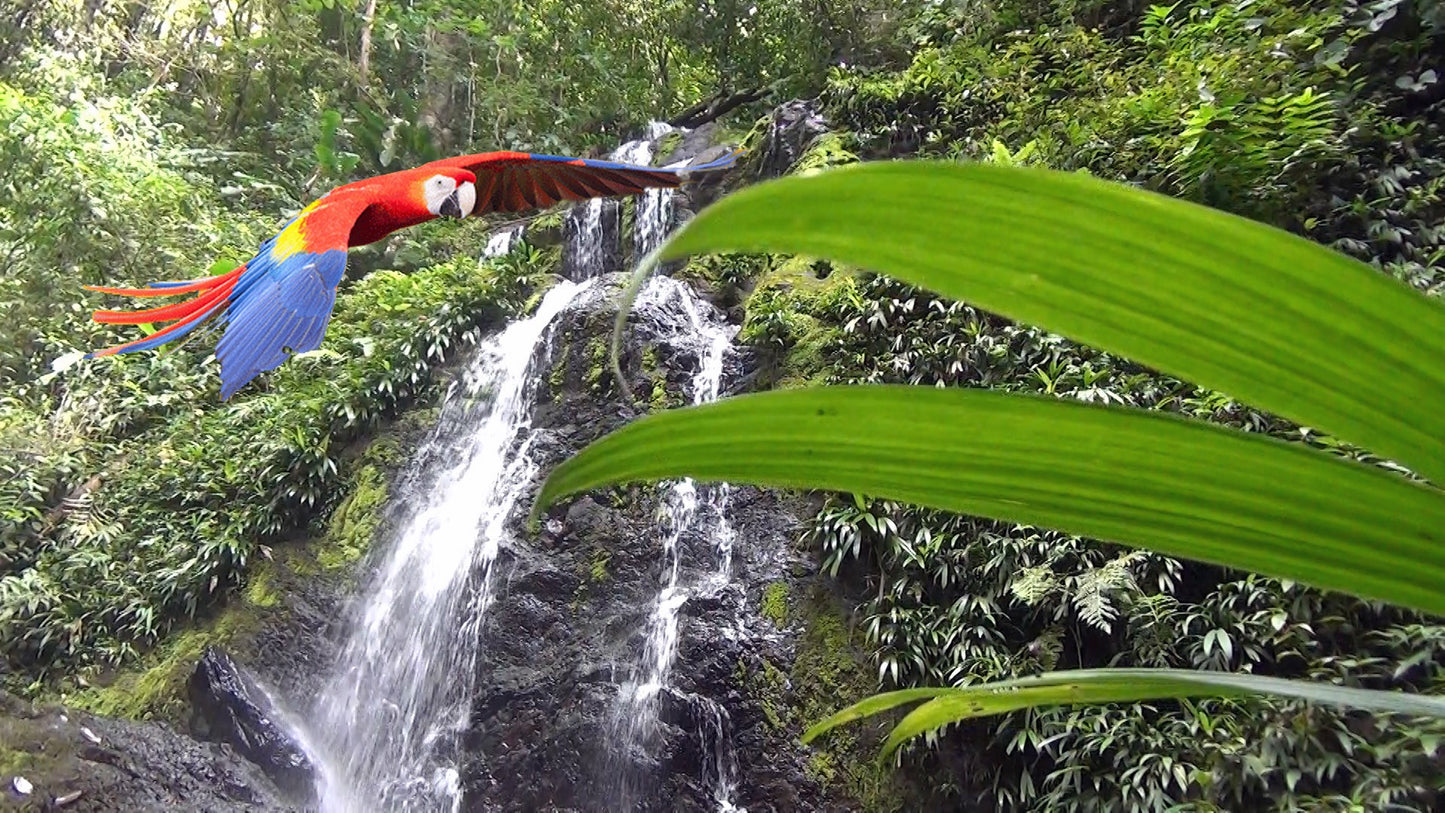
(292, 239)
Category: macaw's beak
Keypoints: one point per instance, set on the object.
(460, 202)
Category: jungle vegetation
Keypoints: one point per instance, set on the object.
(143, 140)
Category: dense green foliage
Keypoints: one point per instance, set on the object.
(143, 141)
(151, 140)
(959, 600)
(136, 462)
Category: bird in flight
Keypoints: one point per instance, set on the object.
(279, 302)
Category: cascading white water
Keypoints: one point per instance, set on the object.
(676, 315)
(675, 312)
(653, 214)
(387, 728)
(585, 258)
(502, 242)
(386, 733)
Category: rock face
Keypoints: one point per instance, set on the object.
(790, 129)
(763, 651)
(565, 632)
(75, 761)
(228, 707)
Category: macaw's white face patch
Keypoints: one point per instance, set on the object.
(466, 198)
(445, 198)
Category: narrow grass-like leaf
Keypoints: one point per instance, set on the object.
(1267, 317)
(870, 706)
(1150, 479)
(1113, 686)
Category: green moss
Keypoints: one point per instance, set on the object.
(156, 690)
(660, 398)
(755, 135)
(598, 571)
(557, 376)
(597, 369)
(261, 592)
(667, 144)
(827, 150)
(723, 271)
(386, 450)
(355, 522)
(775, 603)
(15, 762)
(774, 684)
(789, 313)
(31, 747)
(829, 672)
(821, 769)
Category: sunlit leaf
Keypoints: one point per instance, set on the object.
(1180, 486)
(1276, 321)
(952, 705)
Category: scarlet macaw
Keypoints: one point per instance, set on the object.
(279, 302)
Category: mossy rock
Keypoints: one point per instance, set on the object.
(354, 524)
(545, 231)
(156, 688)
(789, 314)
(830, 149)
(774, 606)
(829, 671)
(666, 146)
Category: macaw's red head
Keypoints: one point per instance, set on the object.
(401, 199)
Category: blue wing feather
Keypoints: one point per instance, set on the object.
(278, 308)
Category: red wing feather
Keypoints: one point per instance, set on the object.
(517, 181)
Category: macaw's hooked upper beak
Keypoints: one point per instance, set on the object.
(450, 206)
(460, 202)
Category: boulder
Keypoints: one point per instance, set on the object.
(228, 706)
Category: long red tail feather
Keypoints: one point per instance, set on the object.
(170, 290)
(215, 290)
(165, 313)
(160, 334)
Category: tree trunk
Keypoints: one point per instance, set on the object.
(363, 59)
(720, 104)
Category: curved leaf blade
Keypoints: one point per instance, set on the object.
(870, 706)
(1149, 479)
(1270, 318)
(1090, 686)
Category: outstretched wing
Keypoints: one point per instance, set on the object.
(277, 304)
(516, 181)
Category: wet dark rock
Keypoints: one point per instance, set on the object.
(229, 707)
(570, 612)
(791, 127)
(78, 762)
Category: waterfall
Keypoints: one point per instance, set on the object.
(675, 313)
(654, 206)
(387, 728)
(386, 733)
(597, 222)
(502, 241)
